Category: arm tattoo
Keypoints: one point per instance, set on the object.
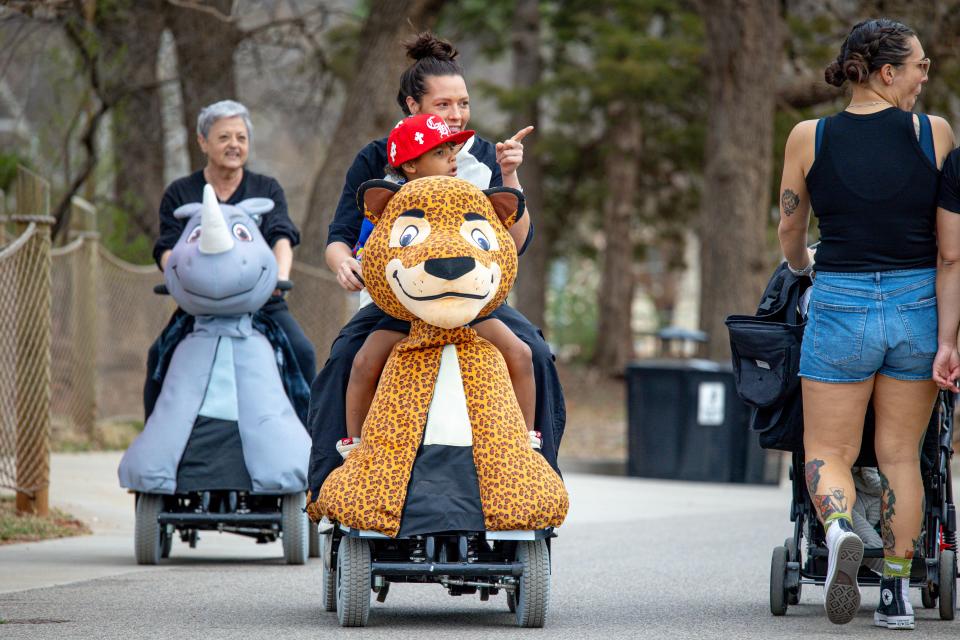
(789, 202)
(887, 502)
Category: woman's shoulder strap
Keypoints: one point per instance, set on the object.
(925, 138)
(819, 137)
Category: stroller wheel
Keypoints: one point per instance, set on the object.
(793, 555)
(928, 596)
(948, 584)
(778, 574)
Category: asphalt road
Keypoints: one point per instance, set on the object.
(636, 559)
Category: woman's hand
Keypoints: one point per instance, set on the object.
(510, 152)
(946, 368)
(350, 274)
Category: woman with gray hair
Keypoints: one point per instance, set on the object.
(224, 132)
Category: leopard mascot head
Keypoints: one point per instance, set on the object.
(440, 251)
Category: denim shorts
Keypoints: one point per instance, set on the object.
(859, 324)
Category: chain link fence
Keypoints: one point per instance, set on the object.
(25, 348)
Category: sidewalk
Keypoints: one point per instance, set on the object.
(85, 484)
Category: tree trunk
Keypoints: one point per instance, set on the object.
(614, 334)
(531, 287)
(369, 110)
(742, 52)
(206, 43)
(130, 35)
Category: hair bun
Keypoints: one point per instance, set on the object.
(427, 45)
(834, 75)
(856, 68)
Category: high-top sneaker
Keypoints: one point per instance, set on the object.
(842, 595)
(894, 610)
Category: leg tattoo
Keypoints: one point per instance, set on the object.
(812, 472)
(888, 501)
(826, 504)
(830, 503)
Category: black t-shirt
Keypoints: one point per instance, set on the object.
(949, 195)
(273, 225)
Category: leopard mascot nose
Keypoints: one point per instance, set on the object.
(449, 268)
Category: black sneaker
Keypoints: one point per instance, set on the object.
(894, 610)
(842, 595)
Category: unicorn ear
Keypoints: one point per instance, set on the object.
(186, 210)
(373, 196)
(256, 206)
(508, 203)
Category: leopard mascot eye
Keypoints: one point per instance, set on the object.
(408, 235)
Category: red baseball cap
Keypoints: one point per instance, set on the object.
(414, 136)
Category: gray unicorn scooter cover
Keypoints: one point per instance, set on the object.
(223, 377)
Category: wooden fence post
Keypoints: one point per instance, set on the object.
(86, 273)
(33, 345)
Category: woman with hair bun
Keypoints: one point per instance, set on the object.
(870, 173)
(432, 84)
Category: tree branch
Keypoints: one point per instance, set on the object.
(196, 6)
(806, 91)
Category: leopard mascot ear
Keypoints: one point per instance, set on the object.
(373, 196)
(508, 203)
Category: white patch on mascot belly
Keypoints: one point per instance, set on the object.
(447, 421)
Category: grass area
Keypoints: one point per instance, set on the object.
(596, 414)
(16, 527)
(110, 436)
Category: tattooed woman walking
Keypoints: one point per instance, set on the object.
(870, 173)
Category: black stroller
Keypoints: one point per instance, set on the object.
(934, 569)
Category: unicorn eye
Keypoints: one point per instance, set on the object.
(195, 234)
(408, 235)
(481, 239)
(242, 233)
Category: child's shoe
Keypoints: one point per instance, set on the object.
(842, 595)
(536, 439)
(346, 445)
(894, 610)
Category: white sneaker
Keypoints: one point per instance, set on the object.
(842, 594)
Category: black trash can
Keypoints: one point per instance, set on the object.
(686, 422)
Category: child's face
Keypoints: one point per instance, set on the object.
(439, 161)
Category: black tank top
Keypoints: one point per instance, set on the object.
(874, 193)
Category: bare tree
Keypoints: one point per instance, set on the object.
(368, 110)
(531, 287)
(130, 35)
(614, 347)
(206, 37)
(742, 53)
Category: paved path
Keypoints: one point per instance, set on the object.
(636, 559)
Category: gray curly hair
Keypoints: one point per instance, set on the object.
(223, 109)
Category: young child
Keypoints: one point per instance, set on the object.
(418, 147)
